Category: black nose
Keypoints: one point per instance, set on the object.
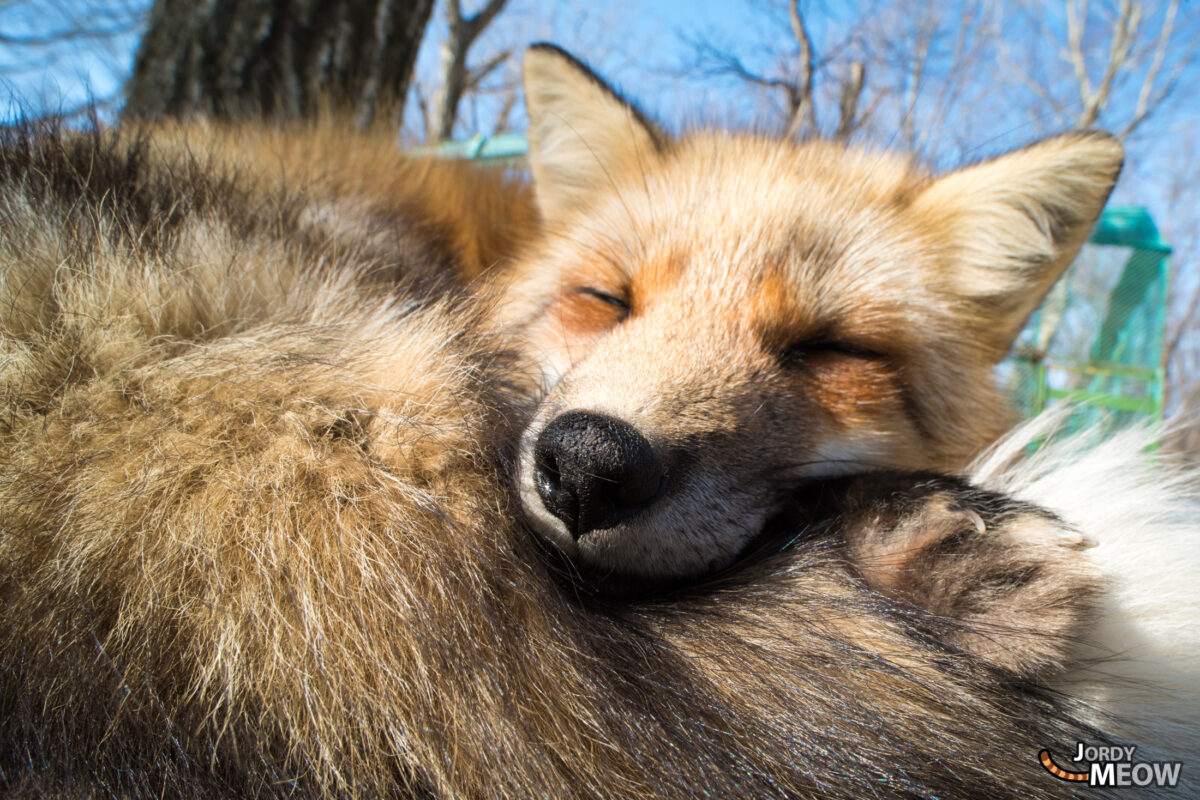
(594, 471)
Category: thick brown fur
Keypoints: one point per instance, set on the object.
(254, 541)
(364, 188)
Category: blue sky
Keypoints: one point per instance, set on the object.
(74, 73)
(68, 74)
(646, 48)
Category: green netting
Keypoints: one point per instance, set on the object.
(1096, 341)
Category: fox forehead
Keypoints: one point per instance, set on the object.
(805, 235)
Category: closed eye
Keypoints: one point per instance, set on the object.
(612, 300)
(800, 352)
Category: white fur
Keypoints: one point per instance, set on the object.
(1141, 660)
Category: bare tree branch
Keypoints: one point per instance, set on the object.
(506, 107)
(1076, 15)
(720, 62)
(1144, 105)
(852, 89)
(456, 77)
(91, 36)
(800, 99)
(967, 47)
(1189, 319)
(908, 120)
(1133, 63)
(1013, 67)
(797, 80)
(478, 75)
(69, 35)
(1123, 33)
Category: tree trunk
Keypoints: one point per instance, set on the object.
(281, 59)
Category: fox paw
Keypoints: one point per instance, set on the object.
(1008, 579)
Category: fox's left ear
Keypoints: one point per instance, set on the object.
(1014, 223)
(582, 135)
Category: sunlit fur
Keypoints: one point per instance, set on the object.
(1140, 512)
(895, 293)
(255, 540)
(360, 190)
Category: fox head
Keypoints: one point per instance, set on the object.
(720, 318)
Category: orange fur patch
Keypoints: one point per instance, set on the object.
(654, 279)
(852, 390)
(581, 315)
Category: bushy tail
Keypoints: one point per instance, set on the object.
(1141, 660)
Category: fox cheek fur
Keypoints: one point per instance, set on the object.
(719, 318)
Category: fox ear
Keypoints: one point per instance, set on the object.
(581, 132)
(1015, 222)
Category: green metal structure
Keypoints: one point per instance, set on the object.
(504, 148)
(1097, 339)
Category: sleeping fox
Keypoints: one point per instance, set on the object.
(256, 533)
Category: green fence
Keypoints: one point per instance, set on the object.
(1097, 339)
(504, 148)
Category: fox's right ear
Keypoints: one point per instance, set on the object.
(581, 133)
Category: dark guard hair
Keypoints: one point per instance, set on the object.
(253, 542)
